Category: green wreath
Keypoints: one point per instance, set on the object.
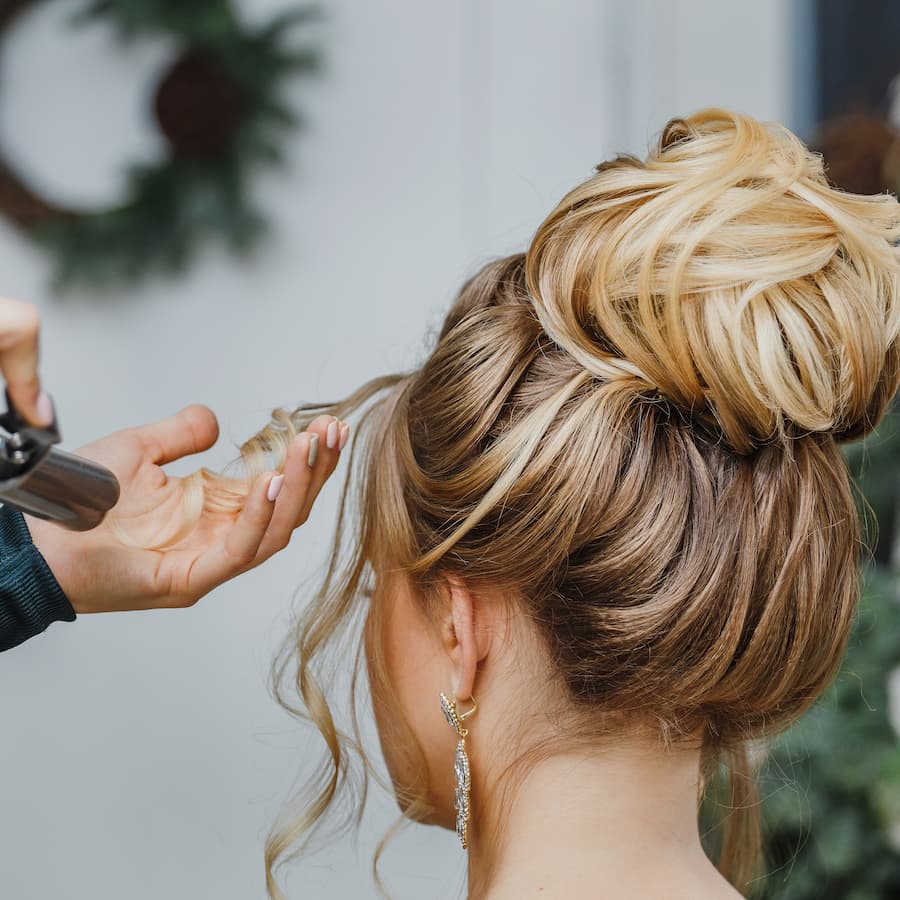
(219, 109)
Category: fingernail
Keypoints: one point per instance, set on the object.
(44, 408)
(331, 435)
(275, 487)
(313, 449)
(345, 435)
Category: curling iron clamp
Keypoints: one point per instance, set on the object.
(44, 481)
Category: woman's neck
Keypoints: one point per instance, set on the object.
(619, 823)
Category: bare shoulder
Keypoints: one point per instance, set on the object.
(711, 885)
(718, 889)
(683, 892)
(694, 892)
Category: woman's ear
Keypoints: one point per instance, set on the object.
(464, 636)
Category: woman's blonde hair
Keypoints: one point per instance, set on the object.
(633, 428)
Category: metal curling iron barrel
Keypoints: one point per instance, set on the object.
(44, 481)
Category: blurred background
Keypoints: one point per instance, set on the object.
(141, 754)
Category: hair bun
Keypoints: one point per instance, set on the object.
(726, 273)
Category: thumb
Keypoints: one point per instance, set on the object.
(192, 430)
(32, 404)
(20, 325)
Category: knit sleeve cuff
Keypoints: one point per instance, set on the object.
(30, 596)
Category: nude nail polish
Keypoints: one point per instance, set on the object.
(313, 449)
(45, 408)
(275, 487)
(345, 435)
(331, 435)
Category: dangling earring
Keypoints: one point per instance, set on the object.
(460, 765)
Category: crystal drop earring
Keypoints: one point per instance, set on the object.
(455, 720)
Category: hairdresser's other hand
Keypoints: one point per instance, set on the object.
(101, 570)
(20, 325)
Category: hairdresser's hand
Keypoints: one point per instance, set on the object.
(101, 570)
(20, 325)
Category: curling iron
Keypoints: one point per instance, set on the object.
(44, 481)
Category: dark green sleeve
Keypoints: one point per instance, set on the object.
(30, 597)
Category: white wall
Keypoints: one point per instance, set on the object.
(141, 755)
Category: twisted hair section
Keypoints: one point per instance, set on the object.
(727, 274)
